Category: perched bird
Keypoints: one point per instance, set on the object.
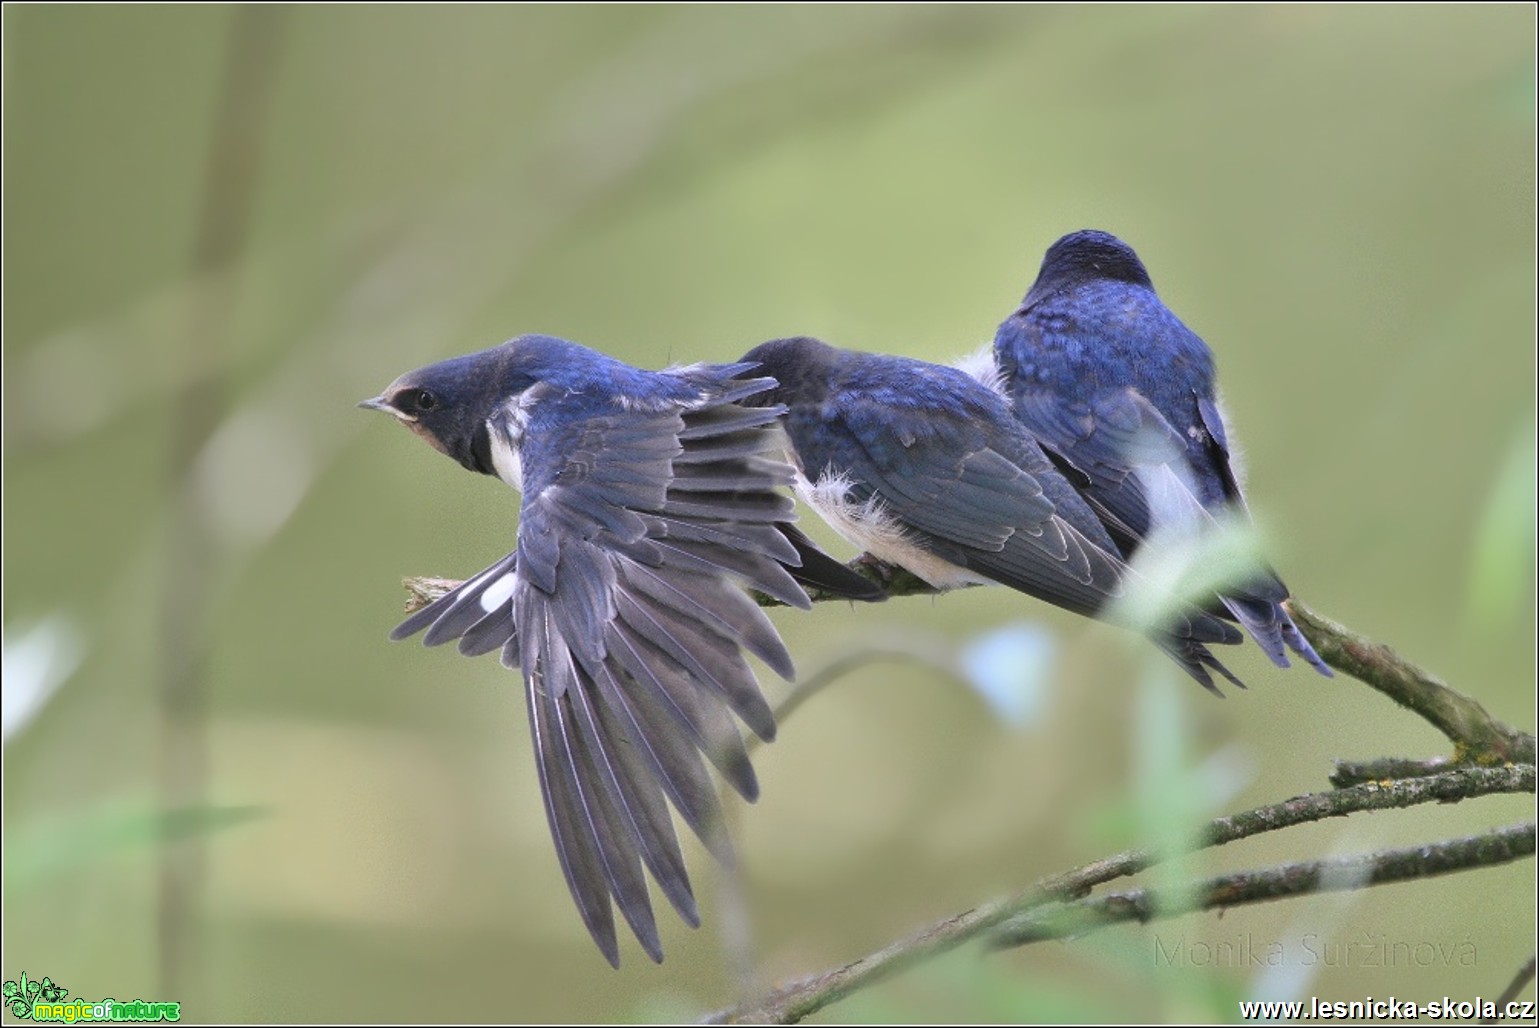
(650, 500)
(926, 468)
(1121, 396)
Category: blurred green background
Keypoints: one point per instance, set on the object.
(1340, 200)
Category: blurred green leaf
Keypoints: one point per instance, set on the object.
(1187, 993)
(62, 842)
(665, 1006)
(1502, 565)
(1179, 568)
(970, 984)
(1111, 824)
(1170, 809)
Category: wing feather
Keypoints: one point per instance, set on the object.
(625, 609)
(1137, 468)
(963, 481)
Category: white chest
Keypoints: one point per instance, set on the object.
(873, 529)
(505, 458)
(507, 436)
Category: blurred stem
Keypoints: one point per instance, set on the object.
(735, 914)
(736, 921)
(192, 555)
(836, 669)
(1515, 988)
(793, 1002)
(1489, 849)
(1477, 736)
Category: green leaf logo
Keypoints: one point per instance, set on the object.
(23, 996)
(19, 996)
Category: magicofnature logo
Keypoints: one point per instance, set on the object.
(45, 1001)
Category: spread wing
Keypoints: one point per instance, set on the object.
(624, 608)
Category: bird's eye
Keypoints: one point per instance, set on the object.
(416, 400)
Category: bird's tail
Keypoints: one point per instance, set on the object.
(1185, 638)
(1195, 659)
(1260, 610)
(821, 572)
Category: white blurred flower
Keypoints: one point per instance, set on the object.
(38, 659)
(1009, 668)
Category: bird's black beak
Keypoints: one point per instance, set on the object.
(377, 403)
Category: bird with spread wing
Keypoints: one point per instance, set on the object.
(652, 500)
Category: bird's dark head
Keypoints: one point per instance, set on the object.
(802, 366)
(449, 403)
(1089, 255)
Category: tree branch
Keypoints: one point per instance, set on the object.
(1498, 846)
(895, 581)
(1479, 741)
(795, 1001)
(1476, 735)
(1356, 772)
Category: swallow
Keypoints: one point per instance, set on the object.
(651, 500)
(924, 467)
(1122, 397)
